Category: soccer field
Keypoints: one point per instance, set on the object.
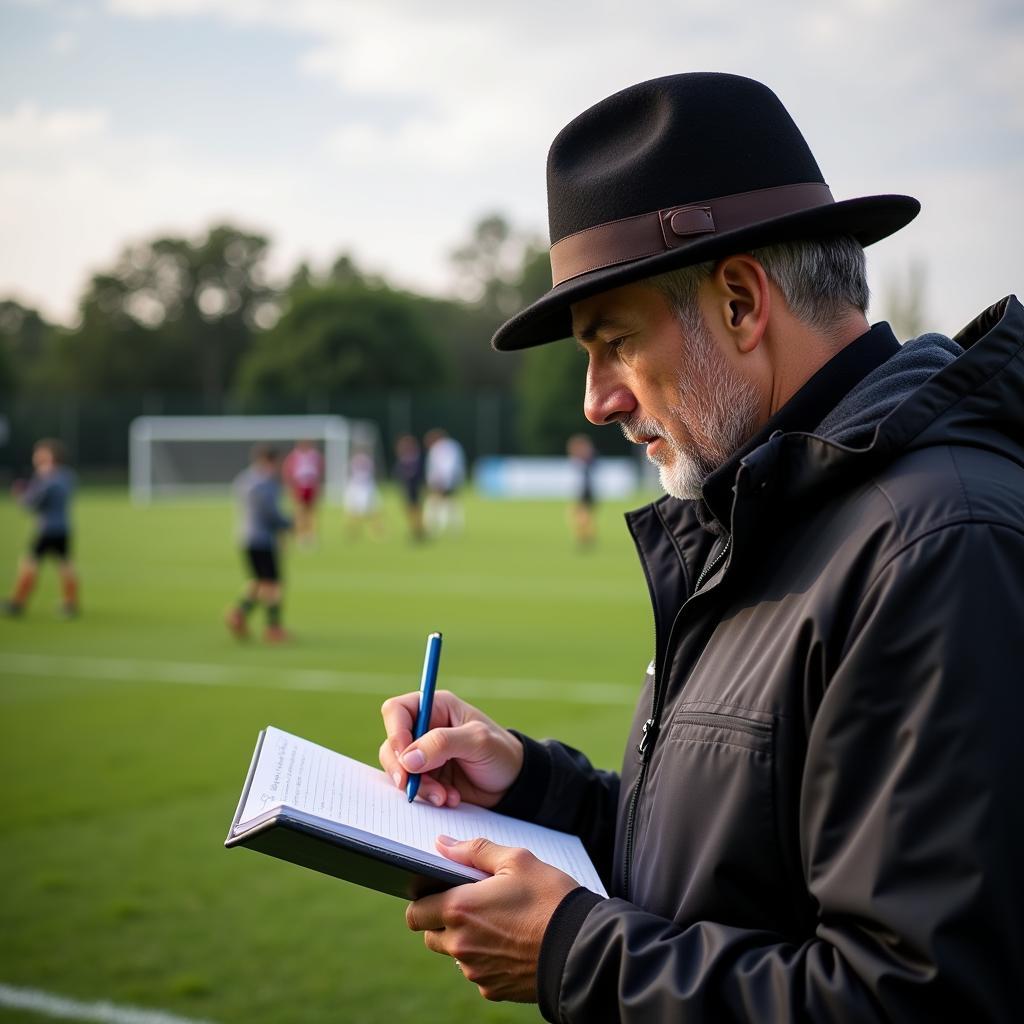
(126, 735)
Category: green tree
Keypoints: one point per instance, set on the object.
(551, 381)
(172, 314)
(551, 387)
(334, 339)
(500, 270)
(26, 342)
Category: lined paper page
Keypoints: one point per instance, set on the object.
(296, 773)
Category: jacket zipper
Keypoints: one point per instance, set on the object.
(650, 731)
(711, 565)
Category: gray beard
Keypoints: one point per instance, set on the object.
(722, 408)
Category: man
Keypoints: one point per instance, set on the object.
(258, 489)
(445, 471)
(48, 495)
(362, 496)
(819, 814)
(303, 472)
(583, 456)
(409, 473)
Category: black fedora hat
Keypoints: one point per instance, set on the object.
(677, 171)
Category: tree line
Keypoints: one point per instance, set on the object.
(177, 316)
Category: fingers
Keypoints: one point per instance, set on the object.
(483, 854)
(466, 742)
(430, 789)
(426, 913)
(433, 750)
(389, 762)
(399, 714)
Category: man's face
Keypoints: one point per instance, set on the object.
(677, 394)
(43, 461)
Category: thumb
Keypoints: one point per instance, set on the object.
(437, 747)
(476, 853)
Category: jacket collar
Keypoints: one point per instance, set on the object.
(803, 412)
(975, 399)
(976, 396)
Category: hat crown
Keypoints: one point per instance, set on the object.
(669, 142)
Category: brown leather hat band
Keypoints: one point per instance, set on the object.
(633, 238)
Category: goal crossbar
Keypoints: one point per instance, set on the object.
(334, 432)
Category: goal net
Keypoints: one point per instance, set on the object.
(179, 456)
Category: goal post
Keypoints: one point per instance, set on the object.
(180, 456)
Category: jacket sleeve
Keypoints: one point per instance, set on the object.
(911, 829)
(558, 787)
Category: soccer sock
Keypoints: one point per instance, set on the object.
(23, 586)
(246, 605)
(274, 614)
(69, 584)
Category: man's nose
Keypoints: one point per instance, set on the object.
(607, 399)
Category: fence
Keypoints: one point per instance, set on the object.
(95, 430)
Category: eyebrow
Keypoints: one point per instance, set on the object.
(600, 323)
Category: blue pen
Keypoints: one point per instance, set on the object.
(430, 662)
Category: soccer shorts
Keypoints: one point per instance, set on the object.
(263, 564)
(305, 496)
(57, 544)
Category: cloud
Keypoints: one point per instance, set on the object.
(64, 42)
(445, 110)
(475, 76)
(28, 128)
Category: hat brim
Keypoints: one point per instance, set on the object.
(867, 219)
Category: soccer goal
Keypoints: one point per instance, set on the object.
(179, 456)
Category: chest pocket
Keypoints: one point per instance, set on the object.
(709, 846)
(723, 725)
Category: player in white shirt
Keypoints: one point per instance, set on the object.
(362, 498)
(446, 473)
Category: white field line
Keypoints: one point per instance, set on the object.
(194, 673)
(49, 1005)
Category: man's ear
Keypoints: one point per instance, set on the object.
(742, 300)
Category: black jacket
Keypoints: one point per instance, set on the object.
(827, 823)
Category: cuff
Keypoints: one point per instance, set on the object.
(526, 795)
(561, 933)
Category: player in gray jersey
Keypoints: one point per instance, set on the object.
(258, 489)
(47, 496)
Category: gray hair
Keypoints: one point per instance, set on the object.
(820, 279)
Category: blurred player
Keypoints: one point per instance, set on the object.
(303, 472)
(362, 499)
(582, 453)
(446, 472)
(259, 492)
(409, 474)
(48, 496)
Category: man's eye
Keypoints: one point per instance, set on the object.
(616, 343)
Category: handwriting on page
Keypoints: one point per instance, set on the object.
(294, 772)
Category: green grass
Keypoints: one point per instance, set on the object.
(126, 736)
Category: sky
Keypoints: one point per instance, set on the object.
(386, 128)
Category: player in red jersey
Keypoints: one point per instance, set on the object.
(303, 472)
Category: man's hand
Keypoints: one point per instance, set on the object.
(464, 756)
(494, 927)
